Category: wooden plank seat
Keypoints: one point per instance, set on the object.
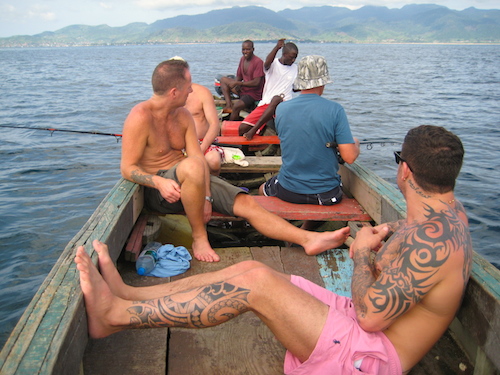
(347, 210)
(230, 136)
(242, 141)
(230, 128)
(256, 164)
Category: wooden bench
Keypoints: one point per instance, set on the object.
(145, 230)
(230, 136)
(347, 210)
(256, 164)
(242, 141)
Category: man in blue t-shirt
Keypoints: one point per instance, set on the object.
(307, 125)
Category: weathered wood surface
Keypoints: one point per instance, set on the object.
(256, 164)
(133, 352)
(51, 335)
(347, 210)
(244, 345)
(382, 201)
(480, 315)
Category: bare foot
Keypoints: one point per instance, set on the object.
(99, 301)
(109, 271)
(317, 242)
(248, 135)
(204, 252)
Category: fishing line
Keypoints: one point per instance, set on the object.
(52, 130)
(369, 143)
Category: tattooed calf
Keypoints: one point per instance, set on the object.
(198, 308)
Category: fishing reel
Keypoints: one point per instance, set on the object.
(334, 146)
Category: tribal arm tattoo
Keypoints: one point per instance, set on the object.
(421, 252)
(198, 308)
(141, 178)
(363, 277)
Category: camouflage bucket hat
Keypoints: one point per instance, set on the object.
(312, 72)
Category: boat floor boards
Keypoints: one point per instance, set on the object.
(244, 345)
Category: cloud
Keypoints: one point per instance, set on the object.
(106, 5)
(33, 13)
(41, 15)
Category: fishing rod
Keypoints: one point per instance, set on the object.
(369, 143)
(52, 130)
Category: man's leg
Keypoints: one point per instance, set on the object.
(266, 116)
(238, 106)
(191, 175)
(294, 316)
(226, 92)
(275, 227)
(124, 291)
(244, 129)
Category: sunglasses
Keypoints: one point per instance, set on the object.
(399, 159)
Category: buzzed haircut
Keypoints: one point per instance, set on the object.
(169, 74)
(248, 41)
(435, 156)
(290, 47)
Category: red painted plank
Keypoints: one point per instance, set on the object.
(230, 128)
(347, 210)
(240, 140)
(134, 244)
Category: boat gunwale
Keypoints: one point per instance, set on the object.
(45, 348)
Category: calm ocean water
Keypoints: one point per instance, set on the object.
(51, 183)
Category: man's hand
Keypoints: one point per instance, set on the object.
(369, 238)
(207, 211)
(250, 134)
(169, 189)
(280, 43)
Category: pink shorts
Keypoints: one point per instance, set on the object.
(255, 115)
(343, 342)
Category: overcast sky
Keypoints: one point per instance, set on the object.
(29, 17)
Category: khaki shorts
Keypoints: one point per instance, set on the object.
(223, 194)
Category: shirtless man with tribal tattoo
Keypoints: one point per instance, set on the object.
(402, 300)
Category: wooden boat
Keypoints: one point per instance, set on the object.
(51, 336)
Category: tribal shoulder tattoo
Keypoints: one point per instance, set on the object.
(423, 248)
(198, 308)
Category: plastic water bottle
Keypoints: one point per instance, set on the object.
(148, 258)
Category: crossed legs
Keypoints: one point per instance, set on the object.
(294, 316)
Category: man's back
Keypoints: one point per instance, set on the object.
(197, 104)
(429, 257)
(305, 125)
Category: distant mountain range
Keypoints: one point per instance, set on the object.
(369, 24)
